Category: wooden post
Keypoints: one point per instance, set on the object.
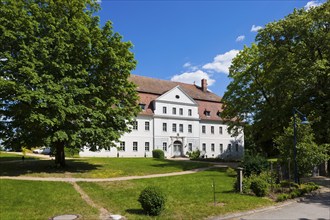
(240, 178)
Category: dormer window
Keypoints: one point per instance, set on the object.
(177, 96)
(207, 113)
(142, 106)
(219, 114)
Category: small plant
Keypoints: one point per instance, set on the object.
(194, 154)
(287, 184)
(152, 200)
(231, 172)
(158, 154)
(259, 187)
(282, 197)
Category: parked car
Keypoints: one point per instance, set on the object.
(42, 150)
(46, 151)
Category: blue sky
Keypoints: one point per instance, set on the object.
(190, 40)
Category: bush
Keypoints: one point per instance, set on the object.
(152, 200)
(158, 154)
(282, 197)
(231, 172)
(253, 164)
(71, 152)
(194, 154)
(259, 187)
(288, 184)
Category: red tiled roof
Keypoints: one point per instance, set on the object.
(159, 87)
(150, 89)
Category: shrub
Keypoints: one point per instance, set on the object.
(288, 184)
(282, 197)
(194, 154)
(71, 152)
(231, 172)
(253, 164)
(158, 154)
(259, 187)
(152, 200)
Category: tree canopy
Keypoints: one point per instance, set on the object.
(288, 66)
(64, 79)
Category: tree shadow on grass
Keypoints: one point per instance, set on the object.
(18, 168)
(182, 165)
(135, 212)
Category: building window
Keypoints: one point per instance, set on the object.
(190, 128)
(212, 129)
(229, 147)
(221, 148)
(177, 96)
(181, 127)
(220, 130)
(147, 126)
(135, 146)
(181, 111)
(164, 146)
(236, 147)
(204, 147)
(174, 127)
(207, 113)
(142, 106)
(189, 112)
(164, 127)
(164, 110)
(122, 146)
(212, 147)
(190, 146)
(135, 125)
(146, 146)
(174, 111)
(203, 129)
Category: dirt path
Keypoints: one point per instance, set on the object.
(70, 179)
(104, 214)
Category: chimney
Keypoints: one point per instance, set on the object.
(204, 85)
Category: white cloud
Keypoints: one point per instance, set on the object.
(221, 62)
(193, 77)
(255, 28)
(190, 67)
(186, 65)
(312, 4)
(240, 38)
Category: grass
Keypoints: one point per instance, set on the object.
(97, 167)
(4, 157)
(188, 196)
(41, 200)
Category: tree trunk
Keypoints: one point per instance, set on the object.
(59, 156)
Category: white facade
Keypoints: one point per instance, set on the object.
(176, 128)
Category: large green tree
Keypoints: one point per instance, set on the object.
(288, 66)
(64, 79)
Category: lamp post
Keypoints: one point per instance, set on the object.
(303, 121)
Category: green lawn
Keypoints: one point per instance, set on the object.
(41, 200)
(5, 156)
(97, 167)
(189, 196)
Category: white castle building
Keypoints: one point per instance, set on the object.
(176, 118)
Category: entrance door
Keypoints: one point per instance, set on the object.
(177, 148)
